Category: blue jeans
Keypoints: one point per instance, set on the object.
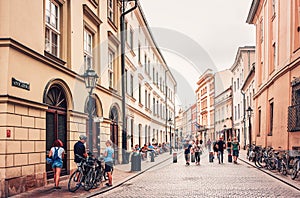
(220, 156)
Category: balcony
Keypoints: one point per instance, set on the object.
(294, 118)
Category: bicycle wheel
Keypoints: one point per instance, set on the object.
(283, 169)
(294, 171)
(74, 181)
(88, 181)
(271, 164)
(262, 162)
(98, 177)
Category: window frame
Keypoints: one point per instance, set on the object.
(111, 67)
(52, 29)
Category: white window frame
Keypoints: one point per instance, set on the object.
(110, 10)
(87, 49)
(111, 66)
(52, 28)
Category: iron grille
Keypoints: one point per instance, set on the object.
(294, 118)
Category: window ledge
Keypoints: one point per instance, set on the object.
(54, 58)
(112, 24)
(141, 105)
(112, 90)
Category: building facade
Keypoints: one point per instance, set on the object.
(205, 104)
(248, 89)
(42, 91)
(277, 84)
(223, 104)
(241, 67)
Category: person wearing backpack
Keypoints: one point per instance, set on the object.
(57, 154)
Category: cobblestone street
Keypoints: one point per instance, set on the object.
(207, 180)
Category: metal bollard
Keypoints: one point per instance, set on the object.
(174, 157)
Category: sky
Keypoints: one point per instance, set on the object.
(195, 35)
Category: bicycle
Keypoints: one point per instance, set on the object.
(77, 178)
(296, 168)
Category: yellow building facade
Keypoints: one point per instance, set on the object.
(45, 48)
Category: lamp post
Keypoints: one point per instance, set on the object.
(249, 111)
(166, 101)
(170, 123)
(90, 79)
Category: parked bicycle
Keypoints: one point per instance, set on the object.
(296, 168)
(89, 174)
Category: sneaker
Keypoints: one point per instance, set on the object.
(108, 185)
(57, 187)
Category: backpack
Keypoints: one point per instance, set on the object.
(55, 156)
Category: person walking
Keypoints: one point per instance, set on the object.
(187, 150)
(198, 149)
(235, 146)
(208, 143)
(57, 154)
(108, 159)
(221, 146)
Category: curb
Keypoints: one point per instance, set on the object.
(272, 175)
(129, 178)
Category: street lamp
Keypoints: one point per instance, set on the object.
(90, 79)
(170, 123)
(249, 111)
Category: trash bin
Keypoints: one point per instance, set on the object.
(174, 157)
(152, 156)
(136, 162)
(211, 156)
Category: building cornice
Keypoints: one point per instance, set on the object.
(239, 54)
(253, 10)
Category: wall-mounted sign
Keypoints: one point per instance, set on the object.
(20, 84)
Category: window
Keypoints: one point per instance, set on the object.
(145, 63)
(235, 113)
(153, 106)
(126, 83)
(160, 83)
(157, 108)
(294, 110)
(126, 31)
(131, 39)
(146, 96)
(156, 78)
(297, 24)
(273, 8)
(110, 10)
(87, 48)
(271, 118)
(111, 58)
(238, 84)
(139, 52)
(148, 68)
(259, 122)
(273, 64)
(153, 75)
(149, 101)
(234, 86)
(52, 32)
(131, 128)
(131, 85)
(140, 93)
(239, 114)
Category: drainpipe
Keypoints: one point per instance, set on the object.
(122, 27)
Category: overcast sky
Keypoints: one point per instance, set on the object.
(198, 34)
